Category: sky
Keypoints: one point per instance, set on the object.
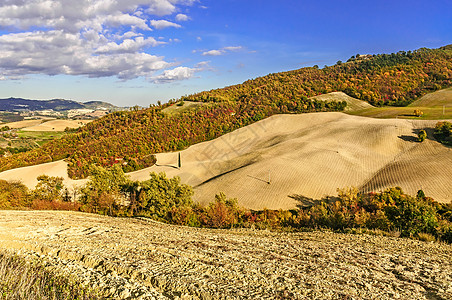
(136, 52)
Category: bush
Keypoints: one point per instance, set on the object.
(443, 132)
(222, 213)
(422, 135)
(13, 194)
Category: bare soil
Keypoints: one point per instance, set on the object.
(140, 259)
(278, 161)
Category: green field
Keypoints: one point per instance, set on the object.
(434, 106)
(388, 112)
(177, 108)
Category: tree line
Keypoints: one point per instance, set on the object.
(111, 192)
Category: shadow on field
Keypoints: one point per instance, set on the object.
(169, 166)
(408, 138)
(306, 202)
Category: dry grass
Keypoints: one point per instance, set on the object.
(24, 123)
(21, 279)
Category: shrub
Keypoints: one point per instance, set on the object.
(422, 135)
(13, 194)
(443, 132)
(418, 113)
(222, 213)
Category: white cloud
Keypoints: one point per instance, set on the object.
(57, 52)
(182, 18)
(233, 48)
(128, 45)
(222, 51)
(213, 53)
(161, 24)
(176, 74)
(94, 38)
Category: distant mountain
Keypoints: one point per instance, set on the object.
(19, 104)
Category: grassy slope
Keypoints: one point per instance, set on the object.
(435, 106)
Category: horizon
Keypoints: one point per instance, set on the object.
(144, 51)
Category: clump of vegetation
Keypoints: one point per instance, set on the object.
(111, 192)
(21, 279)
(422, 135)
(443, 132)
(418, 113)
(13, 195)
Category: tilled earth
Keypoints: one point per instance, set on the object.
(136, 258)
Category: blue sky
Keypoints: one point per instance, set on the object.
(130, 52)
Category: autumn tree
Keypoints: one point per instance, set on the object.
(49, 188)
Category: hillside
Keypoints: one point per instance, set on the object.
(131, 138)
(127, 257)
(20, 104)
(309, 156)
(438, 98)
(353, 104)
(305, 157)
(384, 79)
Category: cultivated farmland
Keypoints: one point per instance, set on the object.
(281, 161)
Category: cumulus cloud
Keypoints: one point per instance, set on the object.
(213, 53)
(182, 18)
(95, 38)
(161, 24)
(176, 74)
(181, 73)
(222, 51)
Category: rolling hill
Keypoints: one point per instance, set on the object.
(286, 160)
(131, 138)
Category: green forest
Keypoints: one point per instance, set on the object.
(130, 138)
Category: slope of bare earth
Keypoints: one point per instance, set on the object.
(311, 155)
(353, 104)
(25, 123)
(276, 162)
(28, 175)
(134, 258)
(57, 125)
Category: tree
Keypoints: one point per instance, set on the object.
(13, 194)
(49, 188)
(223, 212)
(422, 135)
(103, 189)
(161, 194)
(418, 113)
